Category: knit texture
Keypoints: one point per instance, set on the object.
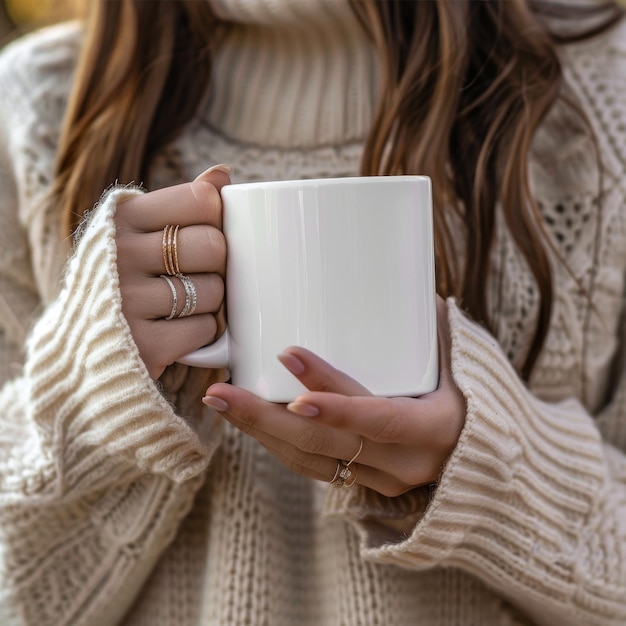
(124, 502)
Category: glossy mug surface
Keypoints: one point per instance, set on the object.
(343, 267)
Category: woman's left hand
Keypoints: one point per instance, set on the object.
(406, 441)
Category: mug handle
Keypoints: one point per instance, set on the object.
(215, 355)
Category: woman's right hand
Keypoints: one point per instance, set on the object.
(147, 298)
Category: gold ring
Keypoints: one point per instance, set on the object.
(343, 474)
(354, 458)
(170, 249)
(334, 479)
(352, 478)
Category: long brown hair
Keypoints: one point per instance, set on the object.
(465, 86)
(144, 69)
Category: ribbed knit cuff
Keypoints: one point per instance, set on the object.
(514, 501)
(90, 392)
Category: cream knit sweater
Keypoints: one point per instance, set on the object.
(123, 504)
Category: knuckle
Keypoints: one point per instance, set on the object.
(200, 330)
(135, 302)
(247, 419)
(301, 461)
(210, 327)
(125, 243)
(214, 239)
(312, 441)
(206, 196)
(122, 229)
(323, 383)
(216, 287)
(390, 429)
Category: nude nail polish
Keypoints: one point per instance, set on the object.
(220, 167)
(292, 363)
(215, 403)
(303, 408)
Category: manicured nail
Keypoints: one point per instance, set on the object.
(220, 167)
(292, 363)
(215, 403)
(303, 408)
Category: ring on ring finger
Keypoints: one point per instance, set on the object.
(346, 473)
(345, 476)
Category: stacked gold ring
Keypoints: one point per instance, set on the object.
(172, 268)
(170, 249)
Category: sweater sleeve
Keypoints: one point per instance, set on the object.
(96, 468)
(531, 501)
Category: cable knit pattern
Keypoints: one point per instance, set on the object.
(122, 504)
(544, 513)
(82, 348)
(86, 424)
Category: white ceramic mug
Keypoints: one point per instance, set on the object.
(343, 267)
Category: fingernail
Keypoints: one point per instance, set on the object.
(220, 167)
(304, 409)
(292, 363)
(215, 403)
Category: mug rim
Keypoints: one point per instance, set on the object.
(318, 182)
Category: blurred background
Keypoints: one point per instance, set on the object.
(20, 16)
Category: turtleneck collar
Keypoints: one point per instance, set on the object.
(292, 73)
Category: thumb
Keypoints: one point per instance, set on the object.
(218, 175)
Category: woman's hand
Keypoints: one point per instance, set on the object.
(147, 298)
(406, 441)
